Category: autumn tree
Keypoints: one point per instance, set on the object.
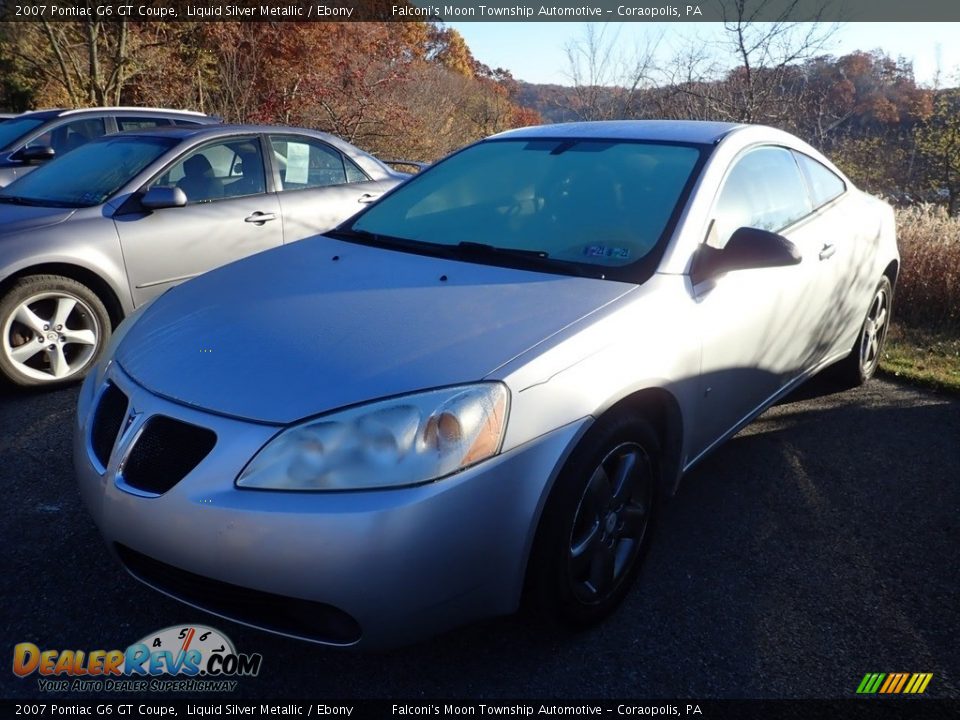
(939, 143)
(390, 88)
(608, 81)
(762, 86)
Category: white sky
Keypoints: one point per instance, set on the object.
(534, 52)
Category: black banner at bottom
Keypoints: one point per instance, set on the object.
(885, 709)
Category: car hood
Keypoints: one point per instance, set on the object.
(17, 218)
(321, 324)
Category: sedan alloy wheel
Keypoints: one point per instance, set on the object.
(51, 331)
(611, 522)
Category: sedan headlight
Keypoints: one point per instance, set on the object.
(390, 443)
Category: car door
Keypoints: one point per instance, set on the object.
(845, 253)
(229, 214)
(759, 326)
(319, 187)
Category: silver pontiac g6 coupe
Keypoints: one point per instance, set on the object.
(478, 389)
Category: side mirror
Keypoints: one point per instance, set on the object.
(747, 248)
(36, 154)
(158, 198)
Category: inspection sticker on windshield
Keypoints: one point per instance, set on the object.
(617, 253)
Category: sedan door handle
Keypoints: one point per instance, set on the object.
(259, 218)
(368, 198)
(827, 251)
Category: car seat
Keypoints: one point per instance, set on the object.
(198, 182)
(252, 180)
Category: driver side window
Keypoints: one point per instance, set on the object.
(222, 170)
(763, 190)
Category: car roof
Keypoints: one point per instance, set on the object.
(52, 113)
(181, 132)
(686, 131)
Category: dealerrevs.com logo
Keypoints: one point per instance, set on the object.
(182, 658)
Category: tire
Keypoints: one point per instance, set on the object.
(864, 358)
(592, 539)
(60, 320)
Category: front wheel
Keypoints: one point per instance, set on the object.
(597, 523)
(864, 359)
(52, 330)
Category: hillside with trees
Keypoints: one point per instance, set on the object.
(415, 90)
(408, 89)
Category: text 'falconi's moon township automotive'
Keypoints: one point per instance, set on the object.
(477, 391)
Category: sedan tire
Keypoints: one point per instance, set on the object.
(53, 329)
(864, 358)
(597, 523)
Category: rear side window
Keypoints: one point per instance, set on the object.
(140, 123)
(307, 163)
(764, 190)
(824, 183)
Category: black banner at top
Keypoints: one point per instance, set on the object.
(491, 709)
(478, 10)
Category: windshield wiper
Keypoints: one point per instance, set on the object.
(484, 249)
(538, 259)
(32, 202)
(389, 241)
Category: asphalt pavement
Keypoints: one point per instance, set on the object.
(818, 545)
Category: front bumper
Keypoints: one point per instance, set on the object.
(402, 563)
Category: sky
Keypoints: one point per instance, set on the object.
(534, 52)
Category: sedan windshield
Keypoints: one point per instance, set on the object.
(15, 128)
(595, 203)
(88, 175)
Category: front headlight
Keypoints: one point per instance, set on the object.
(390, 443)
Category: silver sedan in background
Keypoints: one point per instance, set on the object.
(88, 237)
(478, 388)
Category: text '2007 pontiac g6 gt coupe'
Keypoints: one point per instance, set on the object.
(477, 390)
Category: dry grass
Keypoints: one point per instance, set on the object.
(928, 289)
(924, 345)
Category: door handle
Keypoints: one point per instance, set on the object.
(367, 198)
(827, 251)
(259, 218)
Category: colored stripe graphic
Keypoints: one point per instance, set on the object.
(870, 683)
(894, 683)
(918, 683)
(903, 679)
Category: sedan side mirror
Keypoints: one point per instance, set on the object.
(36, 154)
(158, 198)
(747, 248)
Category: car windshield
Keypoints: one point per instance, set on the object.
(88, 175)
(592, 204)
(15, 128)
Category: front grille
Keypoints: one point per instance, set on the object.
(107, 422)
(291, 616)
(164, 453)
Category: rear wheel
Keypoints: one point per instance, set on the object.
(864, 359)
(596, 524)
(52, 330)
